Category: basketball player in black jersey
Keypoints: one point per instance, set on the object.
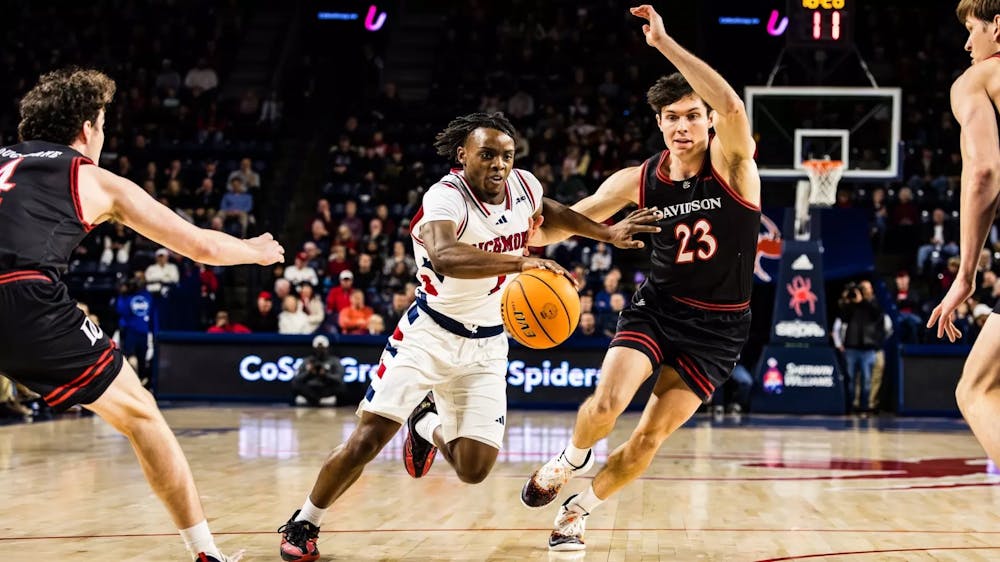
(51, 196)
(689, 320)
(975, 99)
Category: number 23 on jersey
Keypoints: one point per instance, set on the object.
(702, 247)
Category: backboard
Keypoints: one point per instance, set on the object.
(860, 126)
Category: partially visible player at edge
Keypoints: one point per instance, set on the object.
(469, 238)
(975, 97)
(51, 196)
(689, 320)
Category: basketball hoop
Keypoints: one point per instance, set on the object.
(824, 175)
(819, 191)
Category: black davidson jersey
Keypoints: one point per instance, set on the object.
(704, 253)
(41, 221)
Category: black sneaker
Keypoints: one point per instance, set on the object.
(418, 453)
(298, 540)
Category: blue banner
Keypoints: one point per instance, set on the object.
(800, 298)
(798, 380)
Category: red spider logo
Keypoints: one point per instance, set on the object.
(801, 290)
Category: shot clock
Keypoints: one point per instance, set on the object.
(820, 23)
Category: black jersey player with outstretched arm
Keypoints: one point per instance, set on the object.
(51, 196)
(689, 320)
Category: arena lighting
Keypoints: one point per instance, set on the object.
(374, 20)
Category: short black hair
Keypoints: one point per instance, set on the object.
(669, 89)
(454, 135)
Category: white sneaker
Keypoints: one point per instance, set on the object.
(568, 529)
(544, 484)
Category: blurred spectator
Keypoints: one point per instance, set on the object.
(246, 173)
(376, 325)
(587, 326)
(612, 286)
(351, 219)
(608, 320)
(311, 305)
(168, 79)
(237, 205)
(135, 309)
(300, 272)
(863, 334)
(201, 78)
(939, 239)
(339, 297)
(263, 318)
(905, 212)
(162, 274)
(320, 236)
(292, 320)
(354, 318)
(224, 326)
(399, 256)
(907, 304)
(338, 262)
(396, 309)
(117, 245)
(366, 278)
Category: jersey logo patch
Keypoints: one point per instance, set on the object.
(92, 331)
(503, 220)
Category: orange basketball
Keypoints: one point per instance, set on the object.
(540, 308)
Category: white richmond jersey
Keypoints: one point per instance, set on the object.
(499, 228)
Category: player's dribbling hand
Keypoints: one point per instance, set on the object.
(267, 248)
(635, 223)
(539, 263)
(944, 313)
(654, 30)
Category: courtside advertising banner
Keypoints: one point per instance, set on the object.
(259, 367)
(798, 380)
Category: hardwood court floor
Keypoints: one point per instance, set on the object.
(770, 489)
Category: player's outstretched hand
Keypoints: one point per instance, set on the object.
(638, 221)
(653, 30)
(267, 248)
(539, 263)
(944, 313)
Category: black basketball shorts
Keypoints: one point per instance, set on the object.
(49, 345)
(701, 344)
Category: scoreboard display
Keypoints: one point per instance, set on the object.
(823, 23)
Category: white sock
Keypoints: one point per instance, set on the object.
(426, 425)
(576, 457)
(586, 501)
(311, 513)
(199, 539)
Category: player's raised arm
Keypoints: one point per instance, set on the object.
(129, 204)
(618, 191)
(731, 123)
(452, 258)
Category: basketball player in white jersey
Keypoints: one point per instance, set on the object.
(469, 239)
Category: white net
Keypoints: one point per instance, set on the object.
(819, 191)
(824, 175)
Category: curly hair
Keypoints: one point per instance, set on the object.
(447, 141)
(56, 108)
(984, 10)
(669, 89)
